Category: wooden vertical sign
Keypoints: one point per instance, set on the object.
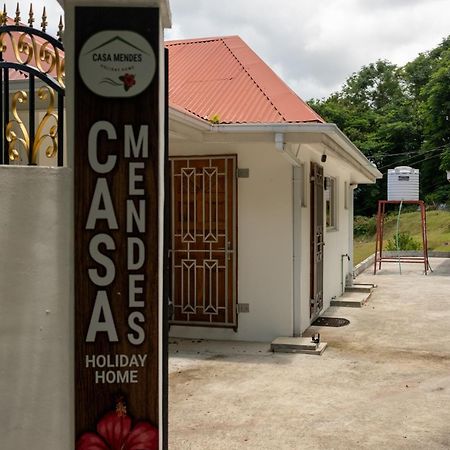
(118, 330)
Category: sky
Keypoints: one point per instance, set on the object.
(53, 10)
(313, 45)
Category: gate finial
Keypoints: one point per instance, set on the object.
(44, 22)
(17, 18)
(60, 32)
(31, 16)
(4, 16)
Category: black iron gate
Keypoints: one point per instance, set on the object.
(32, 92)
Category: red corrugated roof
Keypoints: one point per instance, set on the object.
(222, 76)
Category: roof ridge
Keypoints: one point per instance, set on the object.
(248, 73)
(196, 40)
(226, 74)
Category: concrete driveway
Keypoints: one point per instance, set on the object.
(382, 383)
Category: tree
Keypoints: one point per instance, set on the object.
(428, 81)
(374, 112)
(397, 116)
(436, 108)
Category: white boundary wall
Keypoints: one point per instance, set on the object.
(36, 351)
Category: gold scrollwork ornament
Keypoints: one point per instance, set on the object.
(43, 56)
(11, 136)
(51, 135)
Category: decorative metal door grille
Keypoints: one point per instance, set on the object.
(204, 241)
(32, 92)
(317, 242)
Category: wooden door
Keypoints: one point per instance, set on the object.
(204, 241)
(317, 243)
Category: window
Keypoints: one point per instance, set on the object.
(330, 203)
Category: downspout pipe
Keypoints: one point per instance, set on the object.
(346, 255)
(351, 212)
(279, 142)
(280, 145)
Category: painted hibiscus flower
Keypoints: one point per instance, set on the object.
(128, 80)
(114, 432)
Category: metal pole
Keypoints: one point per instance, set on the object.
(6, 115)
(31, 121)
(60, 154)
(2, 133)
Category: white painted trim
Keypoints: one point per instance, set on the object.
(161, 233)
(327, 134)
(189, 119)
(298, 174)
(351, 212)
(166, 13)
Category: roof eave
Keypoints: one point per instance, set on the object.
(180, 115)
(337, 140)
(347, 149)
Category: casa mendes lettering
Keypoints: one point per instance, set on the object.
(103, 273)
(117, 57)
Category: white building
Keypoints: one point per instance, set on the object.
(262, 197)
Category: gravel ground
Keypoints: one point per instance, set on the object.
(382, 383)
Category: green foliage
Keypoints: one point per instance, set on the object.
(397, 116)
(438, 232)
(214, 118)
(445, 160)
(435, 108)
(402, 241)
(364, 226)
(366, 198)
(438, 197)
(374, 86)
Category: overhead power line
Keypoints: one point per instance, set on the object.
(409, 161)
(418, 152)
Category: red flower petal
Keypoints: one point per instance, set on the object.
(114, 429)
(91, 441)
(142, 437)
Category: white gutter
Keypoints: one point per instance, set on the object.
(344, 147)
(280, 145)
(333, 138)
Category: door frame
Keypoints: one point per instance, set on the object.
(298, 182)
(316, 245)
(233, 251)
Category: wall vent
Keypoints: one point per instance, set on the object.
(243, 308)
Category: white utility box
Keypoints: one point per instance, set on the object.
(403, 183)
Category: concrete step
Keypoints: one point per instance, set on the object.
(297, 345)
(360, 288)
(351, 299)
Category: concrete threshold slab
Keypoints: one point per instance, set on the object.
(360, 287)
(351, 299)
(297, 345)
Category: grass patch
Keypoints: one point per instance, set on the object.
(438, 232)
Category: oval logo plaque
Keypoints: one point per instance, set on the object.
(117, 63)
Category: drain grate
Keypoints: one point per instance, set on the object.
(330, 322)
